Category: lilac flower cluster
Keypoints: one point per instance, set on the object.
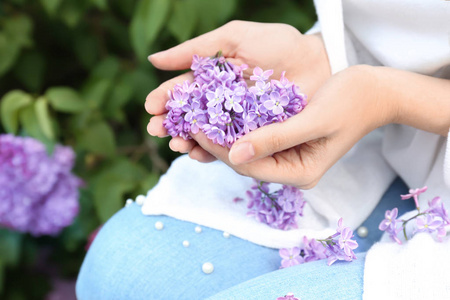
(38, 193)
(338, 246)
(220, 103)
(433, 220)
(279, 209)
(288, 296)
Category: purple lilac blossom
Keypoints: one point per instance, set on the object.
(279, 209)
(223, 99)
(290, 257)
(414, 193)
(288, 296)
(38, 193)
(433, 220)
(338, 246)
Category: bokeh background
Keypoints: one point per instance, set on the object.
(75, 72)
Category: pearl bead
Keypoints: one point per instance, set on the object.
(207, 268)
(198, 229)
(159, 225)
(186, 244)
(140, 199)
(129, 202)
(226, 235)
(362, 231)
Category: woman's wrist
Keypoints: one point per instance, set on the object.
(413, 99)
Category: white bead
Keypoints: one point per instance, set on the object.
(226, 235)
(159, 225)
(186, 244)
(140, 199)
(129, 202)
(198, 229)
(207, 268)
(362, 231)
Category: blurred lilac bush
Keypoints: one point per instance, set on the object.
(38, 192)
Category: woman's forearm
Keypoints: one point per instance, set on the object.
(416, 100)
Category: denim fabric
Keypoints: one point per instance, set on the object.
(130, 259)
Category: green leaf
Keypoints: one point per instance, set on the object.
(144, 81)
(9, 53)
(43, 116)
(19, 29)
(10, 243)
(86, 49)
(183, 19)
(100, 4)
(109, 190)
(98, 138)
(71, 12)
(121, 94)
(65, 99)
(111, 185)
(214, 13)
(147, 21)
(107, 68)
(30, 70)
(95, 92)
(51, 6)
(10, 106)
(32, 128)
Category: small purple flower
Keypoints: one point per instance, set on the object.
(428, 223)
(436, 206)
(390, 219)
(216, 134)
(288, 296)
(290, 257)
(276, 103)
(346, 243)
(260, 75)
(216, 97)
(414, 193)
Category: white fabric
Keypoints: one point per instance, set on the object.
(204, 193)
(416, 270)
(411, 35)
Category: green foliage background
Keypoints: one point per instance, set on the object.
(75, 72)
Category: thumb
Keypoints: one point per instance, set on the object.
(180, 56)
(273, 138)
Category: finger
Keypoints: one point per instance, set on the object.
(282, 168)
(156, 128)
(199, 154)
(178, 144)
(308, 125)
(208, 44)
(155, 103)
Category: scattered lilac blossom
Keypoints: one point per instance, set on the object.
(288, 296)
(220, 103)
(290, 257)
(434, 220)
(279, 209)
(338, 246)
(38, 193)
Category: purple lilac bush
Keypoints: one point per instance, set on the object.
(432, 220)
(221, 104)
(38, 192)
(279, 209)
(338, 246)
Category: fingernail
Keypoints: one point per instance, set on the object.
(241, 153)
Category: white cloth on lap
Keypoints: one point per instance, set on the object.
(204, 193)
(417, 269)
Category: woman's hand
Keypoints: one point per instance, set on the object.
(270, 46)
(301, 149)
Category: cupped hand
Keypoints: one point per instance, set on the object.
(301, 149)
(278, 47)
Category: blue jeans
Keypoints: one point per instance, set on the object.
(130, 259)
